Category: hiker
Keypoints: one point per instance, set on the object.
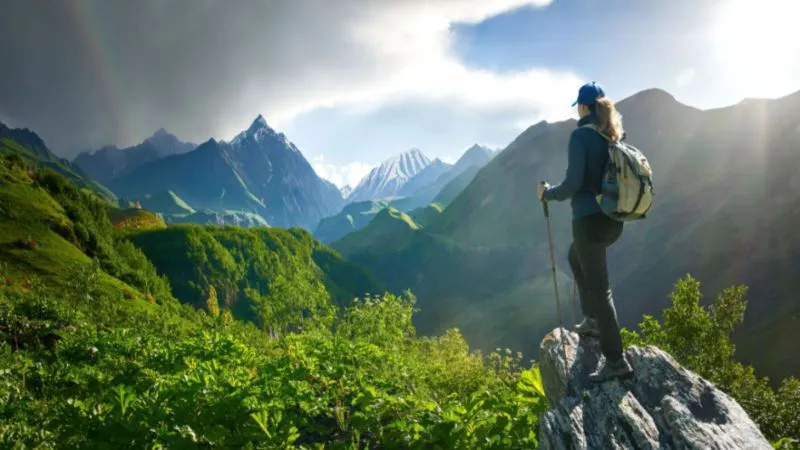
(592, 230)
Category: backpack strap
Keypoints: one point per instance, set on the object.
(595, 190)
(594, 127)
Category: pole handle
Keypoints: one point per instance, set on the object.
(544, 204)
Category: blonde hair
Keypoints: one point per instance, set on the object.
(608, 120)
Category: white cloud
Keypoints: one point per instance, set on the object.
(410, 52)
(347, 174)
(408, 60)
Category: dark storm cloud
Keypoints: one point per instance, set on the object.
(88, 73)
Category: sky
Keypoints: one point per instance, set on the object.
(353, 82)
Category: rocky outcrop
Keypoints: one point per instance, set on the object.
(664, 406)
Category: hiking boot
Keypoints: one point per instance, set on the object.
(587, 328)
(609, 370)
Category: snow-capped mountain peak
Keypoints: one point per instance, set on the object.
(258, 124)
(387, 179)
(256, 132)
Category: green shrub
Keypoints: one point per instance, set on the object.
(143, 380)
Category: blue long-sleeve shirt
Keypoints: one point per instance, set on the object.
(586, 162)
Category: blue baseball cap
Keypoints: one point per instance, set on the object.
(588, 93)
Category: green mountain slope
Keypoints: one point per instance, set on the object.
(467, 277)
(166, 202)
(427, 214)
(450, 191)
(52, 230)
(248, 265)
(723, 212)
(222, 188)
(208, 217)
(30, 146)
(388, 231)
(353, 217)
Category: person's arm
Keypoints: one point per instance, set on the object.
(576, 165)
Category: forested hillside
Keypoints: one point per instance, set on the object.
(267, 275)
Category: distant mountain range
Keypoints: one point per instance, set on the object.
(413, 173)
(437, 182)
(424, 191)
(110, 163)
(727, 208)
(260, 171)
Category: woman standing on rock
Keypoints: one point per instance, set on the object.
(592, 230)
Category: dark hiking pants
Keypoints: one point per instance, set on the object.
(591, 236)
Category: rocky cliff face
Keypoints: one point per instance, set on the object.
(664, 406)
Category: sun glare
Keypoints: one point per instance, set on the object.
(759, 41)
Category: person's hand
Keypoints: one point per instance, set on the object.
(543, 186)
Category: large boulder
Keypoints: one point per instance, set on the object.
(664, 406)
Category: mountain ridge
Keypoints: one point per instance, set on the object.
(25, 143)
(258, 171)
(109, 162)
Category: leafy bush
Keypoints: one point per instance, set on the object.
(139, 380)
(380, 320)
(29, 319)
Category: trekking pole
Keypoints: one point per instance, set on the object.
(555, 284)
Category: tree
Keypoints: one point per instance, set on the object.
(211, 302)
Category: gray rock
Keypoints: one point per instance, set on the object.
(664, 406)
